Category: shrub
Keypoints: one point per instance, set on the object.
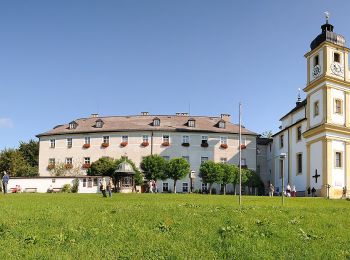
(75, 186)
(66, 188)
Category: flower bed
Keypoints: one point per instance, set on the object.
(243, 146)
(51, 167)
(144, 144)
(123, 144)
(86, 165)
(165, 144)
(86, 146)
(105, 145)
(224, 146)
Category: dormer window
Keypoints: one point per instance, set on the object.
(222, 124)
(336, 57)
(156, 121)
(191, 122)
(73, 125)
(99, 123)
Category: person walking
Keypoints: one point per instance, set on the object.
(5, 181)
(110, 187)
(103, 186)
(288, 190)
(294, 191)
(271, 190)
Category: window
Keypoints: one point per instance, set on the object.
(204, 139)
(187, 158)
(204, 159)
(156, 122)
(281, 141)
(106, 139)
(86, 160)
(222, 124)
(270, 146)
(69, 160)
(95, 181)
(52, 161)
(90, 182)
(87, 140)
(299, 163)
(73, 125)
(223, 140)
(338, 106)
(69, 142)
(99, 123)
(84, 182)
(145, 138)
(223, 159)
(125, 138)
(52, 143)
(167, 158)
(316, 60)
(165, 187)
(316, 109)
(166, 139)
(185, 187)
(336, 57)
(191, 123)
(298, 133)
(281, 168)
(185, 139)
(338, 160)
(53, 180)
(244, 162)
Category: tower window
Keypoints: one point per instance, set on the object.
(156, 121)
(281, 141)
(338, 106)
(336, 57)
(316, 109)
(316, 60)
(338, 160)
(299, 133)
(299, 163)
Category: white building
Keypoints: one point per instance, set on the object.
(195, 138)
(315, 134)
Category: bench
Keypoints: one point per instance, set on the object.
(55, 190)
(30, 189)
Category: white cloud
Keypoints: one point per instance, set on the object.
(5, 122)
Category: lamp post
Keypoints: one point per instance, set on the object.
(283, 157)
(192, 177)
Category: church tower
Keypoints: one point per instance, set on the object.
(327, 133)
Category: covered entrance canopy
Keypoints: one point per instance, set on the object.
(124, 175)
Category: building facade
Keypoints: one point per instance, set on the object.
(315, 134)
(197, 139)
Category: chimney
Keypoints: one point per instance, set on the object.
(226, 117)
(94, 115)
(144, 113)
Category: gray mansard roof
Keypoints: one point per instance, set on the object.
(168, 123)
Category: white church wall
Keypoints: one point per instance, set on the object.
(317, 96)
(316, 163)
(337, 118)
(338, 173)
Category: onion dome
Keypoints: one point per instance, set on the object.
(125, 167)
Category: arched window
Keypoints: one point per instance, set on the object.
(316, 60)
(156, 121)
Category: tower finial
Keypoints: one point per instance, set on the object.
(327, 14)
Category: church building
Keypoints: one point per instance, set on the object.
(312, 149)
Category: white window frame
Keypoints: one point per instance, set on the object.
(165, 187)
(87, 160)
(340, 166)
(222, 124)
(299, 165)
(99, 124)
(87, 140)
(69, 142)
(316, 108)
(145, 138)
(191, 123)
(340, 112)
(52, 161)
(156, 122)
(52, 143)
(166, 139)
(69, 160)
(223, 139)
(105, 139)
(125, 138)
(186, 139)
(185, 187)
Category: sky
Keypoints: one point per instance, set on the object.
(63, 60)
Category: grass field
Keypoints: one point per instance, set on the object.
(171, 226)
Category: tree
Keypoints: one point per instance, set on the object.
(153, 167)
(104, 166)
(245, 174)
(30, 152)
(13, 162)
(210, 172)
(267, 134)
(138, 175)
(253, 181)
(177, 169)
(230, 172)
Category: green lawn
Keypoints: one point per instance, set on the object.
(172, 226)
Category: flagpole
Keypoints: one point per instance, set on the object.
(240, 156)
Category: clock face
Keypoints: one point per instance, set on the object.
(316, 71)
(337, 69)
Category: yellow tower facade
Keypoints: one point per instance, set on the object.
(327, 134)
